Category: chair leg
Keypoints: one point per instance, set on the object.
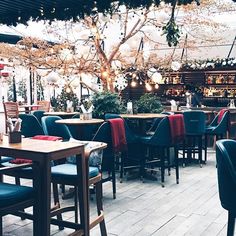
(1, 233)
(205, 149)
(231, 224)
(122, 167)
(98, 187)
(177, 164)
(162, 157)
(114, 183)
(200, 150)
(76, 204)
(56, 201)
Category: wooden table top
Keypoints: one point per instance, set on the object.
(143, 116)
(182, 111)
(38, 146)
(60, 113)
(77, 121)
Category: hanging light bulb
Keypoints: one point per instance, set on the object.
(133, 83)
(148, 87)
(105, 74)
(156, 86)
(68, 89)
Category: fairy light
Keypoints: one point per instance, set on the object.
(105, 74)
(148, 87)
(133, 83)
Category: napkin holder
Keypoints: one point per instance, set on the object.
(14, 137)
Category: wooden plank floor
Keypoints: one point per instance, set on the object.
(142, 209)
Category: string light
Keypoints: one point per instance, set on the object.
(148, 87)
(133, 83)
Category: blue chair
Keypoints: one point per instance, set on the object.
(103, 134)
(50, 127)
(14, 197)
(30, 126)
(133, 158)
(194, 122)
(226, 173)
(38, 114)
(156, 121)
(217, 128)
(158, 146)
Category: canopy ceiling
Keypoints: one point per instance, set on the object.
(21, 11)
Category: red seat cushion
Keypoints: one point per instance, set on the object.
(40, 137)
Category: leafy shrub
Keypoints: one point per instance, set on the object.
(106, 102)
(149, 103)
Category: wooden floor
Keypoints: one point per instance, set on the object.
(141, 209)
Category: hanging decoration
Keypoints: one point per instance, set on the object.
(120, 82)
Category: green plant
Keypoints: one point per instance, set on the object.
(106, 102)
(149, 103)
(60, 102)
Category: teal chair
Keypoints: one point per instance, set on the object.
(66, 173)
(14, 197)
(226, 173)
(50, 127)
(157, 148)
(194, 122)
(132, 158)
(38, 114)
(30, 126)
(103, 134)
(218, 128)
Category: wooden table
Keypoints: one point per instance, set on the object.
(42, 153)
(77, 125)
(28, 108)
(142, 118)
(62, 114)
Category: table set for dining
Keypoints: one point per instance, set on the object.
(42, 153)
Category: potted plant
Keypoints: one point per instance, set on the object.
(149, 103)
(106, 102)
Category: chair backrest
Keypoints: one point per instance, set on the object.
(103, 134)
(223, 124)
(195, 122)
(38, 114)
(30, 126)
(226, 173)
(130, 136)
(170, 131)
(44, 105)
(11, 110)
(162, 134)
(52, 128)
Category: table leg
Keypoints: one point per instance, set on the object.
(83, 180)
(42, 183)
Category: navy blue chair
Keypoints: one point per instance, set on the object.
(132, 158)
(103, 134)
(218, 127)
(194, 122)
(158, 146)
(156, 121)
(30, 126)
(226, 173)
(14, 197)
(38, 114)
